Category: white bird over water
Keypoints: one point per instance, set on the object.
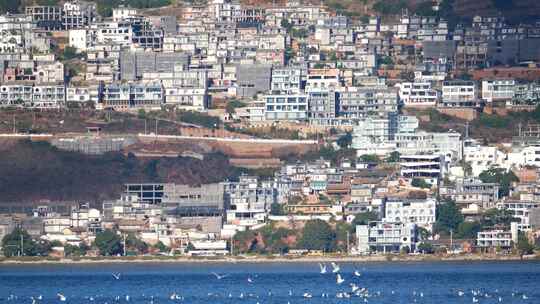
(220, 276)
(250, 280)
(61, 297)
(357, 273)
(339, 279)
(335, 267)
(116, 275)
(323, 268)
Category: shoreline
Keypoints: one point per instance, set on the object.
(268, 260)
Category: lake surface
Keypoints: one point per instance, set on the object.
(444, 282)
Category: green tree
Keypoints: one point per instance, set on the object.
(425, 9)
(387, 60)
(501, 217)
(500, 176)
(41, 248)
(420, 183)
(109, 243)
(369, 158)
(286, 24)
(468, 230)
(141, 114)
(423, 233)
(161, 247)
(385, 7)
(425, 248)
(345, 141)
(364, 218)
(276, 209)
(245, 241)
(11, 243)
(393, 157)
(70, 53)
(233, 105)
(343, 229)
(133, 243)
(75, 251)
(9, 6)
(448, 217)
(318, 235)
(523, 245)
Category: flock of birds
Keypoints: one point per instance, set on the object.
(354, 290)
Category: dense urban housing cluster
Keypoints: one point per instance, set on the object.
(393, 108)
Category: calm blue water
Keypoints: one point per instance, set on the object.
(271, 283)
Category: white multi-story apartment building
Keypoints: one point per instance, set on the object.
(524, 156)
(121, 13)
(472, 195)
(382, 130)
(78, 94)
(185, 89)
(111, 32)
(249, 200)
(286, 107)
(323, 79)
(131, 96)
(458, 92)
(287, 80)
(419, 212)
(79, 39)
(382, 136)
(360, 102)
(429, 167)
(521, 210)
(33, 96)
(417, 94)
(498, 90)
(480, 157)
(386, 237)
(497, 238)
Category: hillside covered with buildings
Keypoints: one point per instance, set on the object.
(223, 127)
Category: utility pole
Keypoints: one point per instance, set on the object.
(14, 125)
(451, 241)
(124, 244)
(22, 245)
(348, 250)
(145, 132)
